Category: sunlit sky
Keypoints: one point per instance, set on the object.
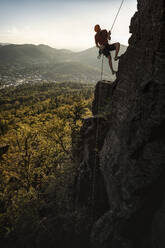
(63, 23)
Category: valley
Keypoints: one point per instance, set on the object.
(30, 63)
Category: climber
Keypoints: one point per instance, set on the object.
(101, 40)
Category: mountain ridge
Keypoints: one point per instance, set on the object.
(43, 51)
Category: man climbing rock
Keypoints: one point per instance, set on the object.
(101, 40)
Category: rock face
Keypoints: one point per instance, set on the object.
(131, 144)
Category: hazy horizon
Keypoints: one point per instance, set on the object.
(65, 24)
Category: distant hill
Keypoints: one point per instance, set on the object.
(89, 57)
(4, 44)
(27, 54)
(61, 61)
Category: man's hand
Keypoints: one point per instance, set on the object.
(102, 47)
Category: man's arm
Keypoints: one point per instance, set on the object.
(96, 42)
(97, 45)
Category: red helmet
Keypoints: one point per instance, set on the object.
(97, 28)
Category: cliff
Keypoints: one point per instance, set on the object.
(122, 156)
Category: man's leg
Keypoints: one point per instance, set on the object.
(117, 46)
(110, 64)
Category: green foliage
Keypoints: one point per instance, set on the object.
(39, 125)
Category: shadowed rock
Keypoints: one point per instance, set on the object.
(131, 157)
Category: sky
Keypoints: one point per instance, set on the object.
(62, 24)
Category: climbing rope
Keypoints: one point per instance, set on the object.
(102, 64)
(97, 128)
(96, 161)
(117, 14)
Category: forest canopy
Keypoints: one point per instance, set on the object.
(39, 131)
